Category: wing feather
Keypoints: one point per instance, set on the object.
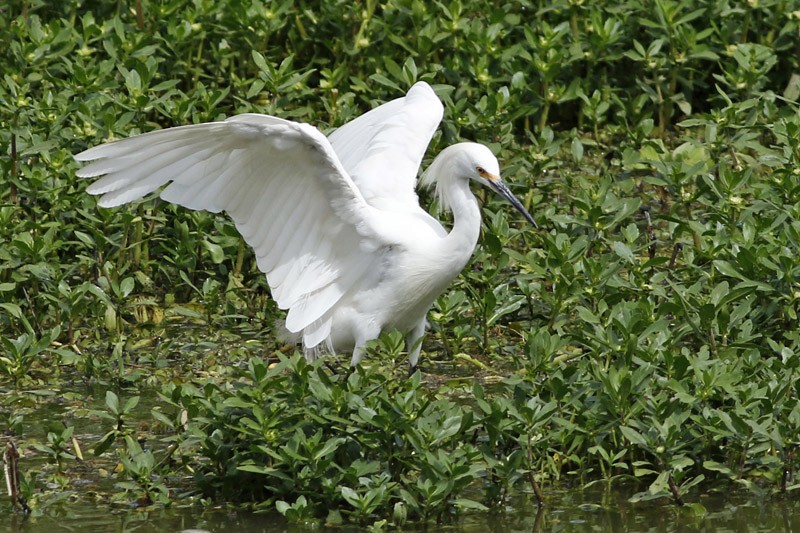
(317, 332)
(289, 247)
(164, 149)
(251, 228)
(269, 240)
(206, 190)
(282, 184)
(157, 170)
(316, 275)
(382, 149)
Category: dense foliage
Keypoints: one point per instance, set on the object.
(647, 329)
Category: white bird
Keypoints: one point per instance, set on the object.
(334, 221)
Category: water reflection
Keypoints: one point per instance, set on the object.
(86, 518)
(598, 508)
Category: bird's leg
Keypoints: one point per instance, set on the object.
(368, 330)
(414, 344)
(333, 368)
(310, 354)
(358, 354)
(329, 358)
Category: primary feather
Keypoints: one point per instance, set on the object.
(253, 166)
(382, 149)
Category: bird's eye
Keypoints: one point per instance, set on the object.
(480, 170)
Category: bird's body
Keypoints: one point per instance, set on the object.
(335, 222)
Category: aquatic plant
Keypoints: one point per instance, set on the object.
(645, 334)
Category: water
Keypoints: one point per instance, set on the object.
(608, 509)
(568, 510)
(87, 518)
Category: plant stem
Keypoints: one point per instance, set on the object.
(139, 15)
(675, 251)
(662, 111)
(676, 493)
(138, 230)
(237, 266)
(532, 477)
(11, 462)
(546, 110)
(14, 199)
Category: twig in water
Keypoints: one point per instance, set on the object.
(534, 485)
(11, 467)
(674, 489)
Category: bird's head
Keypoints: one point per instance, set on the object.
(475, 162)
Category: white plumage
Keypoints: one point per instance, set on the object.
(335, 222)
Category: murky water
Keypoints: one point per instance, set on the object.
(85, 518)
(594, 509)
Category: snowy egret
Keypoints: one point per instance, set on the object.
(334, 221)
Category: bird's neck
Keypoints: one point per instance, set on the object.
(461, 240)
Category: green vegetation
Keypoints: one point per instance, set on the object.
(647, 332)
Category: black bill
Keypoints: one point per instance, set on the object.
(503, 190)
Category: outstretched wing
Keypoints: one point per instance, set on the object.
(282, 184)
(382, 149)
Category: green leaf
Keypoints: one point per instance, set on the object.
(126, 287)
(383, 80)
(623, 251)
(465, 503)
(449, 428)
(112, 402)
(681, 463)
(259, 60)
(586, 315)
(133, 81)
(257, 469)
(577, 149)
(282, 507)
(350, 496)
(130, 404)
(660, 486)
(633, 436)
(215, 250)
(697, 509)
(719, 292)
(727, 269)
(105, 443)
(329, 447)
(12, 309)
